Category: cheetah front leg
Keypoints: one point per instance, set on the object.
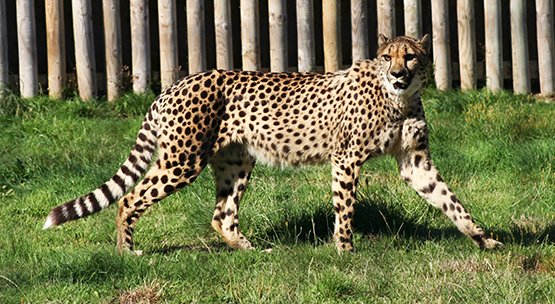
(344, 179)
(416, 168)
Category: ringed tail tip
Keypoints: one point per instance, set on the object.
(49, 222)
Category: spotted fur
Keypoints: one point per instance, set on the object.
(232, 119)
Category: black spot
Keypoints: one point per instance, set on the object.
(132, 158)
(169, 189)
(421, 147)
(224, 193)
(429, 189)
(417, 160)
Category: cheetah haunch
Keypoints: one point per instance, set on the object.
(231, 119)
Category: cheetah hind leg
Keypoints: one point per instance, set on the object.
(157, 184)
(232, 168)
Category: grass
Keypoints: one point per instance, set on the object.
(497, 152)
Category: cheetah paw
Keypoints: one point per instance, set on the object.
(492, 244)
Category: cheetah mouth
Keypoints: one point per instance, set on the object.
(400, 85)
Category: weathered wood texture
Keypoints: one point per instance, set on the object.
(140, 45)
(305, 36)
(386, 18)
(250, 35)
(494, 45)
(519, 40)
(277, 14)
(223, 29)
(546, 52)
(85, 62)
(413, 18)
(359, 29)
(4, 64)
(441, 44)
(196, 43)
(167, 24)
(332, 42)
(318, 37)
(27, 48)
(112, 43)
(56, 49)
(467, 43)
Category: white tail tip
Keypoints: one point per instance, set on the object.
(49, 223)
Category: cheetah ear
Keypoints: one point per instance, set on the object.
(425, 42)
(382, 39)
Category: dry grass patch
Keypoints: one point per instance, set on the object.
(148, 293)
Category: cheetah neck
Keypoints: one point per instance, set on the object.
(399, 100)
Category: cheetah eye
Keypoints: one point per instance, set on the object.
(386, 57)
(409, 57)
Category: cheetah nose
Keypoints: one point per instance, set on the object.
(398, 74)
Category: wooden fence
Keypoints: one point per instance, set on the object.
(93, 45)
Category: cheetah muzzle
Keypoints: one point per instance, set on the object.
(232, 119)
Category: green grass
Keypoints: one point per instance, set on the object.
(496, 151)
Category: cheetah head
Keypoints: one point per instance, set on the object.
(403, 63)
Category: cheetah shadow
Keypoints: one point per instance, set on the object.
(374, 219)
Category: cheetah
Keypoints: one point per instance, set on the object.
(232, 119)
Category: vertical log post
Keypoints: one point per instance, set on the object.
(305, 36)
(494, 45)
(441, 44)
(4, 81)
(85, 62)
(386, 18)
(359, 30)
(112, 38)
(332, 42)
(196, 43)
(27, 48)
(167, 24)
(140, 45)
(222, 25)
(413, 18)
(519, 40)
(546, 53)
(250, 35)
(55, 43)
(467, 43)
(277, 13)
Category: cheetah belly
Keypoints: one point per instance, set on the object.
(285, 156)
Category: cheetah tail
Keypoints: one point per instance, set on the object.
(128, 174)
